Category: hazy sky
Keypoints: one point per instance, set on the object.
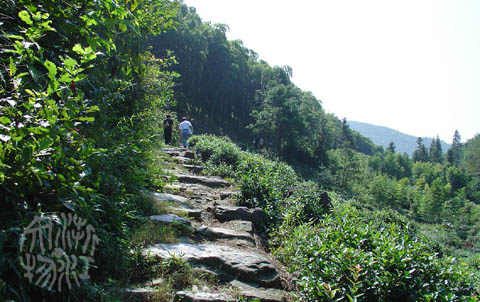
(412, 65)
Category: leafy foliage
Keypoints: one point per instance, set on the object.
(348, 257)
(79, 99)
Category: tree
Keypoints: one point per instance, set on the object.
(421, 153)
(454, 154)
(436, 151)
(472, 156)
(391, 147)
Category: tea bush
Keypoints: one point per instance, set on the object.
(216, 150)
(306, 203)
(350, 257)
(263, 182)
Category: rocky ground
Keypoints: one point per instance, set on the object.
(225, 243)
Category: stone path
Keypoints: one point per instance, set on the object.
(224, 243)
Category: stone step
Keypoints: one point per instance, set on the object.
(212, 182)
(250, 291)
(170, 219)
(225, 213)
(242, 265)
(175, 199)
(222, 233)
(188, 296)
(193, 213)
(139, 294)
(239, 225)
(181, 160)
(172, 148)
(194, 169)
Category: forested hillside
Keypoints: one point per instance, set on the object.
(228, 90)
(84, 87)
(383, 136)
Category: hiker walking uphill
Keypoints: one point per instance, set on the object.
(186, 130)
(168, 129)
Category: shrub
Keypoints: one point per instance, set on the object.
(307, 203)
(217, 150)
(348, 257)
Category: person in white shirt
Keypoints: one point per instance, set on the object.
(186, 130)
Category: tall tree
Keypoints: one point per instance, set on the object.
(391, 147)
(472, 156)
(421, 153)
(454, 154)
(436, 150)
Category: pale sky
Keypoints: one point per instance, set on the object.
(411, 65)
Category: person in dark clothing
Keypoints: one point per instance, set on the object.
(168, 129)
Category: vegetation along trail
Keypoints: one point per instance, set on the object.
(96, 208)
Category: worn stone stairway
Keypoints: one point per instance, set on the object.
(225, 241)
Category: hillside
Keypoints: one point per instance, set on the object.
(89, 188)
(382, 136)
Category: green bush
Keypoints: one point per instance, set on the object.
(350, 257)
(216, 150)
(307, 203)
(263, 182)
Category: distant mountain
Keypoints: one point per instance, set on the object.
(383, 136)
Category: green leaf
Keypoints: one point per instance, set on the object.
(80, 77)
(65, 78)
(25, 16)
(13, 68)
(52, 69)
(93, 109)
(17, 37)
(70, 63)
(5, 120)
(134, 5)
(78, 49)
(45, 143)
(86, 119)
(122, 27)
(91, 22)
(61, 177)
(37, 130)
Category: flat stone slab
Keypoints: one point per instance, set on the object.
(182, 160)
(242, 265)
(193, 213)
(139, 294)
(263, 294)
(225, 213)
(180, 200)
(212, 182)
(170, 219)
(222, 233)
(240, 225)
(193, 168)
(186, 296)
(170, 149)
